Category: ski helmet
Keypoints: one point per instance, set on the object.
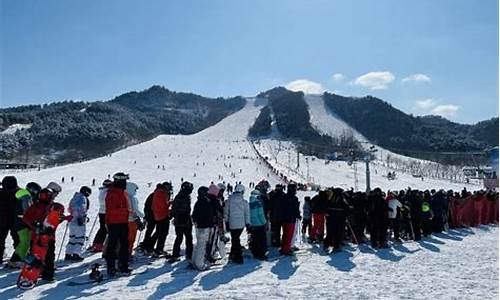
(86, 191)
(187, 187)
(9, 183)
(221, 186)
(56, 188)
(107, 183)
(239, 188)
(202, 191)
(291, 188)
(46, 195)
(167, 185)
(120, 176)
(34, 188)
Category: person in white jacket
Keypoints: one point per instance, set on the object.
(78, 207)
(394, 205)
(135, 215)
(237, 216)
(101, 234)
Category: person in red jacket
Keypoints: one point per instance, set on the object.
(117, 211)
(161, 211)
(33, 217)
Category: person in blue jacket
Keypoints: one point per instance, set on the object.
(258, 222)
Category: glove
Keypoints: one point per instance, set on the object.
(140, 224)
(80, 221)
(68, 218)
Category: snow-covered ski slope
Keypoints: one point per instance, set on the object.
(283, 156)
(439, 267)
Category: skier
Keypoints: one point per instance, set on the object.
(427, 215)
(151, 236)
(8, 212)
(117, 211)
(289, 212)
(161, 207)
(33, 217)
(337, 210)
(41, 257)
(215, 240)
(318, 210)
(237, 217)
(78, 207)
(203, 219)
(306, 217)
(25, 198)
(275, 199)
(257, 226)
(378, 209)
(101, 234)
(134, 217)
(181, 213)
(438, 207)
(394, 206)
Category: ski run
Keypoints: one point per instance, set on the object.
(455, 264)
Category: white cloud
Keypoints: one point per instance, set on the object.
(425, 104)
(338, 77)
(306, 86)
(417, 78)
(375, 80)
(445, 110)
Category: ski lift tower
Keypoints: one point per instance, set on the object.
(368, 156)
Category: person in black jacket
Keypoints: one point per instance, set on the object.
(275, 202)
(8, 212)
(181, 212)
(337, 209)
(318, 210)
(289, 212)
(203, 219)
(150, 236)
(358, 217)
(378, 215)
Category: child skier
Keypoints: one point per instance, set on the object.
(78, 207)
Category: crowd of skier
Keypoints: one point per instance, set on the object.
(272, 218)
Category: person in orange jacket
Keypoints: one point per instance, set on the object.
(117, 213)
(161, 211)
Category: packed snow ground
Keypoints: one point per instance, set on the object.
(459, 264)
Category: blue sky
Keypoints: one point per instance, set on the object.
(423, 56)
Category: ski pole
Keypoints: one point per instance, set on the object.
(90, 233)
(62, 242)
(352, 232)
(411, 226)
(140, 235)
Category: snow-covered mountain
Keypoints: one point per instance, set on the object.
(223, 151)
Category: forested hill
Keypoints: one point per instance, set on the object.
(69, 131)
(422, 137)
